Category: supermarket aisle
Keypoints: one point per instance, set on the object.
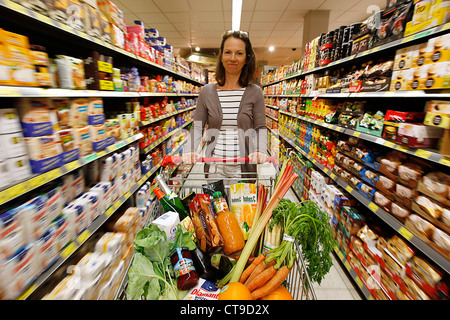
(335, 285)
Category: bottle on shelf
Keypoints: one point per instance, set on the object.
(228, 225)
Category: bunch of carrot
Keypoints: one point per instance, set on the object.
(261, 277)
(262, 216)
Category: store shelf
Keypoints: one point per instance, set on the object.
(396, 44)
(72, 247)
(124, 281)
(55, 26)
(426, 94)
(427, 154)
(353, 275)
(38, 180)
(164, 116)
(273, 118)
(272, 107)
(160, 140)
(18, 92)
(390, 220)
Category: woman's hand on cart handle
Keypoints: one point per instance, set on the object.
(257, 157)
(192, 158)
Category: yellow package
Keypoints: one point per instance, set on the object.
(243, 199)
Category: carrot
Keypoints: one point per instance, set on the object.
(247, 272)
(262, 278)
(272, 284)
(259, 268)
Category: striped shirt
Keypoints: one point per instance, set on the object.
(228, 143)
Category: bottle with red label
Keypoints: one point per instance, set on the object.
(184, 269)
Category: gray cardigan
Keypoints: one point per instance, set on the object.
(251, 121)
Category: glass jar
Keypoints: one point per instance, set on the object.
(183, 266)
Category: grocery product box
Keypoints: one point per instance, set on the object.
(398, 80)
(93, 25)
(99, 72)
(377, 85)
(437, 114)
(427, 14)
(392, 118)
(438, 49)
(112, 13)
(436, 76)
(418, 55)
(418, 135)
(69, 12)
(403, 58)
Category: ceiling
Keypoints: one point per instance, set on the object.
(189, 23)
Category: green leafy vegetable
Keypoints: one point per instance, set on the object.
(305, 222)
(183, 238)
(151, 274)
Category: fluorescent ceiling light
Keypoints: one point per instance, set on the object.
(236, 15)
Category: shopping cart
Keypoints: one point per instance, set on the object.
(298, 282)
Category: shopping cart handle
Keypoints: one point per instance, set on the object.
(175, 160)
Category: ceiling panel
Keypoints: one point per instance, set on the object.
(207, 16)
(269, 5)
(137, 6)
(153, 18)
(266, 16)
(169, 5)
(337, 5)
(205, 5)
(288, 26)
(269, 22)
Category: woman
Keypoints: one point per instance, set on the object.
(234, 111)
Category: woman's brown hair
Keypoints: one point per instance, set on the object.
(248, 71)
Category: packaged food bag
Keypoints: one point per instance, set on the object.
(209, 238)
(243, 200)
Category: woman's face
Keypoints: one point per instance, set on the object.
(233, 55)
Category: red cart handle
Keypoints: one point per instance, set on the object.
(175, 160)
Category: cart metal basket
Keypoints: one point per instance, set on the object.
(298, 282)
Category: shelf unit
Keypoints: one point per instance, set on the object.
(17, 18)
(427, 154)
(71, 248)
(12, 11)
(382, 49)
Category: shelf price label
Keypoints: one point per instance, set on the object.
(445, 161)
(373, 207)
(422, 153)
(83, 236)
(69, 250)
(405, 233)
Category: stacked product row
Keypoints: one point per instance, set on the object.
(41, 134)
(103, 20)
(408, 188)
(427, 129)
(419, 67)
(399, 185)
(29, 65)
(384, 263)
(400, 18)
(98, 274)
(34, 231)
